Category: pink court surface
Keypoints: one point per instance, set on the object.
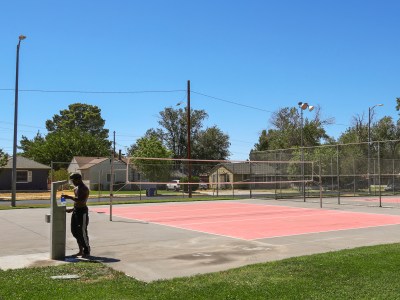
(250, 221)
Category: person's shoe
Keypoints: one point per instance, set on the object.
(85, 255)
(78, 254)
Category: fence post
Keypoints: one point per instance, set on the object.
(217, 182)
(302, 174)
(338, 172)
(232, 182)
(320, 183)
(251, 180)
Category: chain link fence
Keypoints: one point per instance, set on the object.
(357, 173)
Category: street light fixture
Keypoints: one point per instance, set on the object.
(14, 169)
(370, 109)
(303, 106)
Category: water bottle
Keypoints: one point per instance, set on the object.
(63, 201)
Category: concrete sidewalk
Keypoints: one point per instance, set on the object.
(150, 252)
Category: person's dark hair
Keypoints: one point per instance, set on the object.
(75, 176)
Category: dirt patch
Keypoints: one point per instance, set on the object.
(33, 196)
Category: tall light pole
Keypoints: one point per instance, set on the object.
(370, 109)
(14, 169)
(303, 106)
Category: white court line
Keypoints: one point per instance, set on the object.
(269, 217)
(177, 227)
(313, 232)
(257, 218)
(211, 209)
(260, 213)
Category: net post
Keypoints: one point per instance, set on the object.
(320, 184)
(111, 184)
(251, 175)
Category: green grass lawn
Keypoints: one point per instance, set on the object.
(124, 201)
(362, 273)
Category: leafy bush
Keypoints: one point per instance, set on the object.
(185, 187)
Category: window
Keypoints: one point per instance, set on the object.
(24, 176)
(109, 177)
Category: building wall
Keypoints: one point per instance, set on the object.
(38, 181)
(73, 167)
(220, 178)
(99, 175)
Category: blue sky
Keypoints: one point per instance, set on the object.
(341, 55)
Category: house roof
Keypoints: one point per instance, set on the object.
(83, 160)
(244, 168)
(25, 163)
(86, 162)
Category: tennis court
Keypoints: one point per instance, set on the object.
(251, 221)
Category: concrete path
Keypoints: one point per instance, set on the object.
(151, 252)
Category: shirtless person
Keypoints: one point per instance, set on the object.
(80, 215)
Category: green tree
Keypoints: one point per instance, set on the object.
(61, 146)
(84, 116)
(150, 133)
(34, 149)
(386, 130)
(174, 128)
(286, 130)
(61, 174)
(193, 179)
(262, 142)
(153, 170)
(354, 152)
(77, 131)
(357, 132)
(209, 143)
(3, 158)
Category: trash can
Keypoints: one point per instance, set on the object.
(150, 192)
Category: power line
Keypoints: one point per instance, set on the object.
(231, 102)
(24, 125)
(95, 92)
(135, 92)
(144, 92)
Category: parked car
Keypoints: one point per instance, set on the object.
(330, 187)
(357, 184)
(314, 185)
(203, 185)
(392, 187)
(173, 186)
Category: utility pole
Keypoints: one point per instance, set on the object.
(112, 178)
(188, 138)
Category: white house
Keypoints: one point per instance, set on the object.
(96, 172)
